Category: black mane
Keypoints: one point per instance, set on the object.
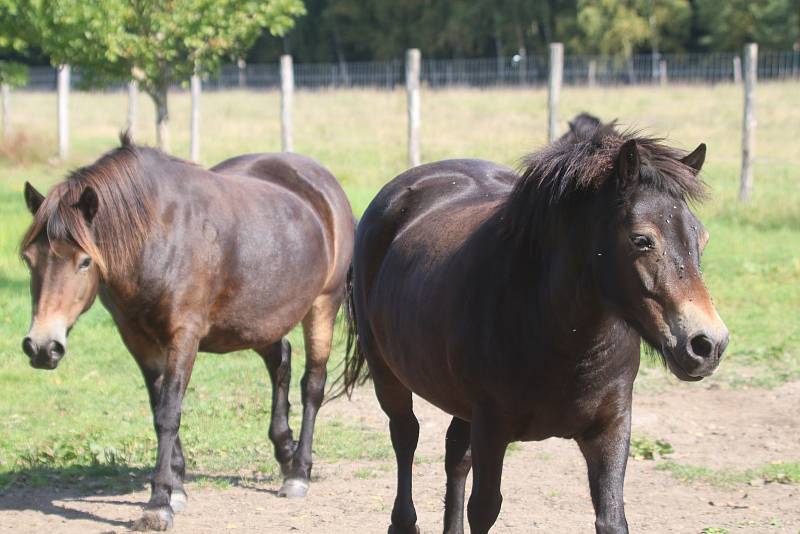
(583, 161)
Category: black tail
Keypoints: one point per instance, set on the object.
(355, 371)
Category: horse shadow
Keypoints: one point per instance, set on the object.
(46, 490)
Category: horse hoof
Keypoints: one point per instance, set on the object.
(414, 529)
(156, 519)
(293, 488)
(178, 501)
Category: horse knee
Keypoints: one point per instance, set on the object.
(404, 431)
(313, 384)
(482, 511)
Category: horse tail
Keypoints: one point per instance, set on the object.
(355, 371)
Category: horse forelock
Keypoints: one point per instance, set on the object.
(124, 216)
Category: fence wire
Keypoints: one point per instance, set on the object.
(484, 72)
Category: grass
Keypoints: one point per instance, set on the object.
(645, 448)
(90, 418)
(776, 472)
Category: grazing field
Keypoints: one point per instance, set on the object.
(87, 427)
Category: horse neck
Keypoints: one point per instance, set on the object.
(122, 285)
(553, 293)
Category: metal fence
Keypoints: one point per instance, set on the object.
(486, 72)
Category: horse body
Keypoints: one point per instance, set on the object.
(518, 304)
(223, 245)
(188, 260)
(448, 263)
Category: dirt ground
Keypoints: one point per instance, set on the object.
(544, 484)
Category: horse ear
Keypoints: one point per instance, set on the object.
(33, 198)
(87, 204)
(696, 158)
(628, 162)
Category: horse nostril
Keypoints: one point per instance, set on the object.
(702, 346)
(29, 347)
(56, 349)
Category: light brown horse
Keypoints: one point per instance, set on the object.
(188, 260)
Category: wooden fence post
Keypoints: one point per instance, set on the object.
(241, 64)
(749, 122)
(737, 70)
(413, 62)
(5, 89)
(287, 93)
(133, 107)
(662, 72)
(554, 88)
(592, 76)
(195, 86)
(63, 111)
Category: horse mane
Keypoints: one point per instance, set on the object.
(583, 161)
(124, 216)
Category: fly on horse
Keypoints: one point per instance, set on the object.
(186, 260)
(517, 304)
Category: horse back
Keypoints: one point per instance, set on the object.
(315, 186)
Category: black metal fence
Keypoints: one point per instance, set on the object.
(487, 72)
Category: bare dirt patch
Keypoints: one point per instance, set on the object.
(544, 484)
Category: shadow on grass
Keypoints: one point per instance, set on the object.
(45, 489)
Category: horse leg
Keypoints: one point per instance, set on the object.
(318, 334)
(278, 358)
(488, 448)
(606, 457)
(158, 513)
(395, 400)
(457, 464)
(178, 497)
(153, 375)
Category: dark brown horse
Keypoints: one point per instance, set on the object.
(518, 303)
(190, 260)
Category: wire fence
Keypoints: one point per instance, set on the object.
(518, 70)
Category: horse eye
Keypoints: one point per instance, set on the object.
(642, 242)
(85, 263)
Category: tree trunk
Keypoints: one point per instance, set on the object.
(6, 91)
(159, 96)
(340, 57)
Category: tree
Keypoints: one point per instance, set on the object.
(12, 73)
(155, 42)
(774, 24)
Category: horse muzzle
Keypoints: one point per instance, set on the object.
(697, 356)
(45, 354)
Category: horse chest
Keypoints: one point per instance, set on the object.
(565, 401)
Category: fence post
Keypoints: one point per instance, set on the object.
(287, 92)
(413, 60)
(195, 85)
(662, 72)
(242, 66)
(737, 70)
(554, 88)
(133, 107)
(592, 73)
(5, 89)
(63, 111)
(749, 123)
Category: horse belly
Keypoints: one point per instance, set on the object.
(269, 288)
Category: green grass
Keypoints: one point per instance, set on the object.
(645, 448)
(776, 472)
(90, 418)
